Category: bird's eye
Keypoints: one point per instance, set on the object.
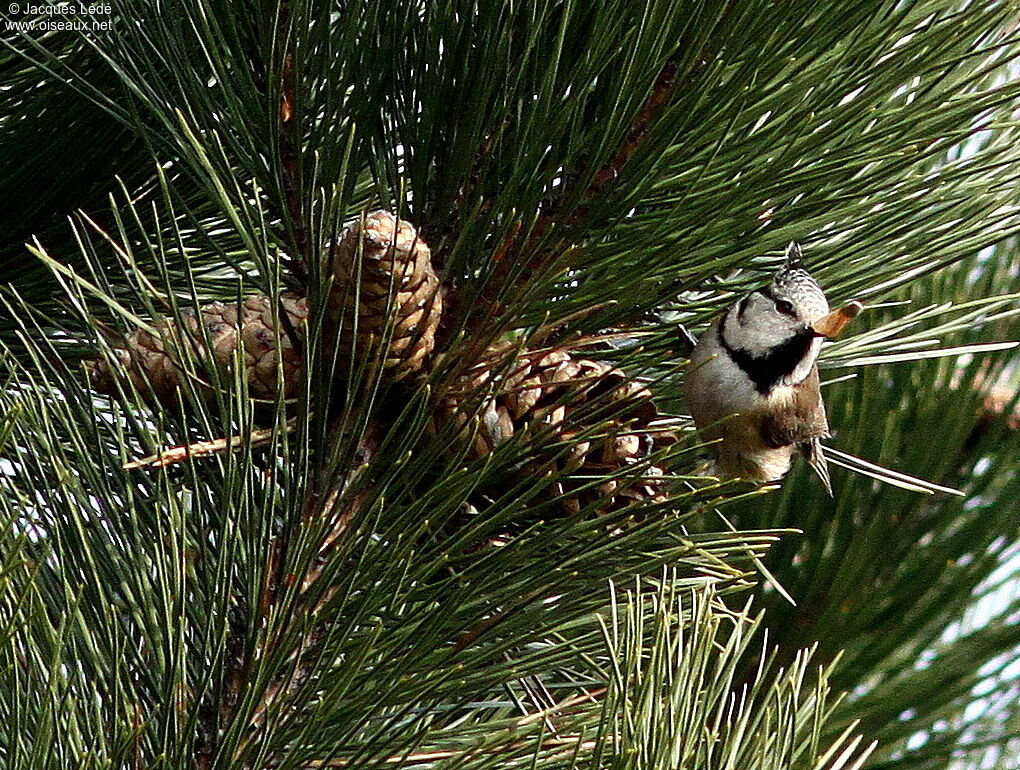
(785, 307)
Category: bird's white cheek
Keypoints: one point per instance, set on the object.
(803, 369)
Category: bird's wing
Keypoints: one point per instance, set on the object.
(801, 419)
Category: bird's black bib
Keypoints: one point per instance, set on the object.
(768, 370)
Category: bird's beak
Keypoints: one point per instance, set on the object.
(832, 324)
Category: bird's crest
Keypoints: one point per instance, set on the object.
(794, 257)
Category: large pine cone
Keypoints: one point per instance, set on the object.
(591, 420)
(249, 327)
(386, 293)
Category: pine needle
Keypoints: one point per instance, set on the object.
(885, 475)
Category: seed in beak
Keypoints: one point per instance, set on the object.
(834, 323)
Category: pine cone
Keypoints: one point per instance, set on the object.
(591, 419)
(248, 326)
(396, 293)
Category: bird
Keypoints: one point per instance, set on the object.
(753, 387)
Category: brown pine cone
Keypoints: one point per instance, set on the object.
(249, 327)
(394, 289)
(591, 420)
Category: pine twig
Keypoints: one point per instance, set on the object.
(319, 507)
(290, 162)
(208, 448)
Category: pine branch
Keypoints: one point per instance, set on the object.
(524, 256)
(290, 160)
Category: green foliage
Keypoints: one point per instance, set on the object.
(61, 150)
(350, 591)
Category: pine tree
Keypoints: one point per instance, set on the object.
(341, 423)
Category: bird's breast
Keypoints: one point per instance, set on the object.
(727, 404)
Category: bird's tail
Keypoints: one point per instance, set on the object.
(812, 450)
